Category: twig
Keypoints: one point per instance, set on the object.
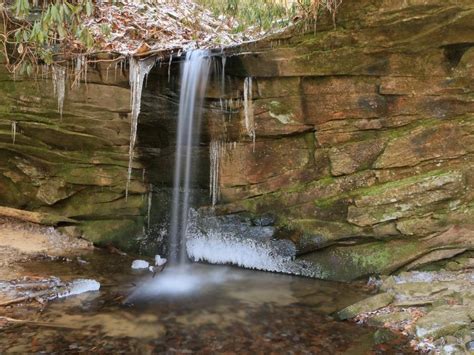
(25, 298)
(42, 324)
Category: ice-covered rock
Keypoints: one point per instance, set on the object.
(80, 286)
(140, 264)
(159, 261)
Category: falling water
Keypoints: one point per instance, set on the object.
(193, 87)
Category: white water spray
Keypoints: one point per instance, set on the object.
(193, 86)
(139, 69)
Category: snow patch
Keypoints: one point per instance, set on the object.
(140, 264)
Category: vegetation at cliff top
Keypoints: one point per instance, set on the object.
(54, 31)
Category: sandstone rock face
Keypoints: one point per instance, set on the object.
(365, 136)
(74, 167)
(364, 150)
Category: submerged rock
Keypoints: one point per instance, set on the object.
(370, 304)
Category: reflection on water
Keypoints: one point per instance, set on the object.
(219, 309)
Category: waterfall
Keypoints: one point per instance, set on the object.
(193, 86)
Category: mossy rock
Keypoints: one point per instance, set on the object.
(367, 305)
(121, 233)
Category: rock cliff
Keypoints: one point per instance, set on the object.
(363, 152)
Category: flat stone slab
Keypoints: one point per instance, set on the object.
(368, 305)
(443, 321)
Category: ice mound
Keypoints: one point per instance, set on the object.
(237, 240)
(217, 248)
(159, 261)
(140, 264)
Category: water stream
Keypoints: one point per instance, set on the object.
(233, 311)
(193, 86)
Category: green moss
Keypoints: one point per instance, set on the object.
(121, 233)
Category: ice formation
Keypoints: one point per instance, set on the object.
(80, 70)
(80, 286)
(139, 69)
(159, 261)
(248, 110)
(150, 199)
(13, 131)
(231, 240)
(140, 264)
(59, 86)
(216, 248)
(215, 151)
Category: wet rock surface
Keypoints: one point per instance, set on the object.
(434, 308)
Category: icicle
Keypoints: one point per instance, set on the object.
(13, 131)
(150, 198)
(59, 85)
(169, 68)
(138, 71)
(248, 110)
(79, 70)
(215, 150)
(224, 59)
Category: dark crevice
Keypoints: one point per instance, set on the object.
(455, 52)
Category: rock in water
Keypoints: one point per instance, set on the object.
(140, 264)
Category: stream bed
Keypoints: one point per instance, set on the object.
(221, 310)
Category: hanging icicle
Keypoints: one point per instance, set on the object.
(224, 59)
(248, 110)
(150, 199)
(13, 131)
(215, 151)
(59, 86)
(139, 69)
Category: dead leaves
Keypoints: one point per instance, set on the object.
(138, 28)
